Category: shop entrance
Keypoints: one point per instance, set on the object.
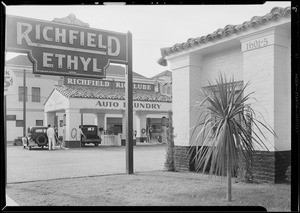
(154, 128)
(114, 126)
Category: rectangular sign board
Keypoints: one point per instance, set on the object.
(106, 84)
(63, 49)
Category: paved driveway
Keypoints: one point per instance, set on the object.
(41, 164)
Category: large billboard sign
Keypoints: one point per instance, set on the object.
(63, 49)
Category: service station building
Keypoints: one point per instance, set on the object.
(102, 103)
(257, 51)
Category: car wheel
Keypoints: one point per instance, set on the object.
(41, 140)
(82, 144)
(96, 144)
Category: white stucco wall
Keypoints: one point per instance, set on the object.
(34, 110)
(257, 70)
(184, 94)
(282, 91)
(266, 65)
(55, 102)
(191, 72)
(181, 106)
(229, 62)
(14, 132)
(268, 69)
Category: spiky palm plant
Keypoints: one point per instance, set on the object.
(223, 132)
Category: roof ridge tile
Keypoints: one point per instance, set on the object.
(228, 30)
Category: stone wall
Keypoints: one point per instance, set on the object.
(270, 166)
(282, 162)
(266, 166)
(182, 158)
(263, 166)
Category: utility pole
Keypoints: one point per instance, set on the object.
(24, 103)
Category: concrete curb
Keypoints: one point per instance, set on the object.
(10, 202)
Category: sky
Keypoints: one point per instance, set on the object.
(152, 26)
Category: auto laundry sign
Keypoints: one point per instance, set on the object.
(137, 105)
(108, 104)
(64, 49)
(105, 83)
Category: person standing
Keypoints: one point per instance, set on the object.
(55, 131)
(51, 137)
(82, 135)
(149, 133)
(57, 141)
(55, 134)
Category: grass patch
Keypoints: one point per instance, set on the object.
(159, 188)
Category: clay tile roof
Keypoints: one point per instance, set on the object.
(276, 13)
(107, 93)
(20, 60)
(164, 73)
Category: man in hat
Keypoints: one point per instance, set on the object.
(51, 137)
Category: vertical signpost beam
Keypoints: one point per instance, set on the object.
(129, 107)
(24, 103)
(5, 139)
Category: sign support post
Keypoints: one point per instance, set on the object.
(5, 137)
(129, 106)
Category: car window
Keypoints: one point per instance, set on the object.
(40, 130)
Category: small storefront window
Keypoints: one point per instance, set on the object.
(156, 127)
(19, 123)
(21, 94)
(39, 122)
(36, 94)
(114, 126)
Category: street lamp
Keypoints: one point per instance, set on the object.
(162, 61)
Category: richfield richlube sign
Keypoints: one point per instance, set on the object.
(105, 84)
(63, 49)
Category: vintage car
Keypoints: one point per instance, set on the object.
(90, 135)
(36, 137)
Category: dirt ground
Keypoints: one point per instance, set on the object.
(96, 177)
(159, 188)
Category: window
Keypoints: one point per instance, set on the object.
(61, 123)
(36, 94)
(19, 123)
(156, 126)
(21, 91)
(169, 90)
(39, 122)
(11, 117)
(213, 116)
